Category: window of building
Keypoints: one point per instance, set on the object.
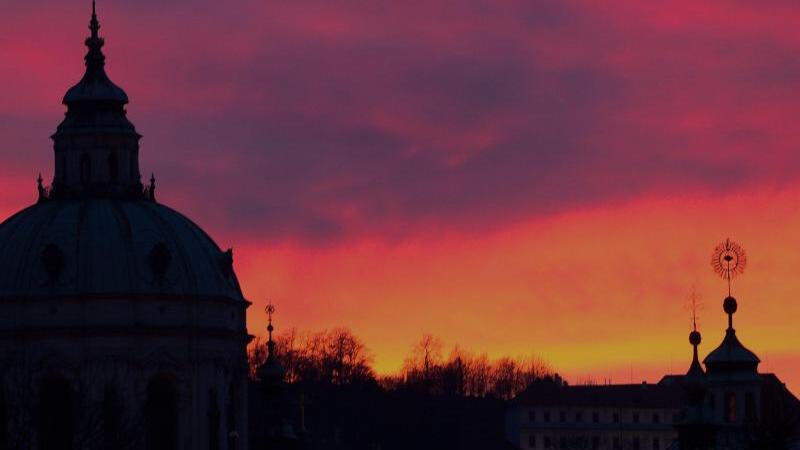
(532, 441)
(730, 407)
(532, 415)
(637, 444)
(562, 416)
(635, 417)
(547, 416)
(548, 443)
(579, 417)
(595, 442)
(55, 425)
(616, 417)
(595, 417)
(85, 169)
(656, 443)
(615, 443)
(562, 442)
(656, 418)
(161, 414)
(711, 402)
(213, 420)
(113, 168)
(749, 406)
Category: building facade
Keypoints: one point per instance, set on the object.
(122, 323)
(633, 416)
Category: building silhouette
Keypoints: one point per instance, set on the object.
(727, 405)
(122, 323)
(122, 326)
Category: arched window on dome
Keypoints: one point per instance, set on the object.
(113, 168)
(161, 414)
(85, 169)
(54, 415)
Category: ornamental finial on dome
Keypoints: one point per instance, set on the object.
(270, 310)
(95, 60)
(151, 191)
(729, 260)
(94, 25)
(270, 371)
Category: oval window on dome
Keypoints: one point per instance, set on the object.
(159, 259)
(53, 261)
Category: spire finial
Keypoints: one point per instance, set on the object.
(729, 260)
(94, 24)
(151, 191)
(40, 188)
(270, 310)
(694, 336)
(95, 60)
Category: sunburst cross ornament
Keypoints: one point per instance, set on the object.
(270, 309)
(728, 261)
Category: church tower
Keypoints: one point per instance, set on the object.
(122, 322)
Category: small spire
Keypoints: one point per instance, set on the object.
(270, 309)
(151, 191)
(94, 25)
(95, 60)
(40, 188)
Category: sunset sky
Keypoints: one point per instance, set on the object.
(515, 177)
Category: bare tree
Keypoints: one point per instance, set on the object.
(334, 357)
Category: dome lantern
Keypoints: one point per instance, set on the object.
(96, 146)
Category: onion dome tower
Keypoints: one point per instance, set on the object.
(730, 357)
(733, 382)
(120, 319)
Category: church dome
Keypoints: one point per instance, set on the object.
(94, 246)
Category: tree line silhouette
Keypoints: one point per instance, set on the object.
(338, 357)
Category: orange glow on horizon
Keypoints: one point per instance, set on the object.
(599, 293)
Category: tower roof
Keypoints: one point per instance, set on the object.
(95, 86)
(731, 355)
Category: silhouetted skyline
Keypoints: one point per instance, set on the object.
(530, 177)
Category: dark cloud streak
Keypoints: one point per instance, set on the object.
(321, 122)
